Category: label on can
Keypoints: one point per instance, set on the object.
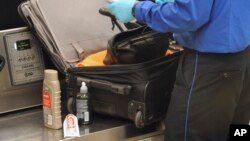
(46, 98)
(70, 121)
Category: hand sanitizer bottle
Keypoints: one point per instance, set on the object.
(82, 105)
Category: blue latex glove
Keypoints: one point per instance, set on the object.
(121, 9)
(163, 1)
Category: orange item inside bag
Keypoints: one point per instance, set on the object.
(98, 58)
(95, 59)
(169, 52)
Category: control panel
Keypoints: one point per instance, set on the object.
(24, 58)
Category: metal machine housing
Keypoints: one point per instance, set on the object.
(20, 76)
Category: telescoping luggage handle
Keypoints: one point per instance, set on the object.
(121, 89)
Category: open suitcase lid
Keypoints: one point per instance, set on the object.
(70, 30)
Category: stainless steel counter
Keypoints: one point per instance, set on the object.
(28, 125)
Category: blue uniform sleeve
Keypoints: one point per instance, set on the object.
(179, 16)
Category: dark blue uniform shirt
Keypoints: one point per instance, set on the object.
(216, 26)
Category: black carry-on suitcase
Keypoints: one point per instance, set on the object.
(139, 92)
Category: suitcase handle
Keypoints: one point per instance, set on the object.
(122, 89)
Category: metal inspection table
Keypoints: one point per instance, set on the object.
(28, 125)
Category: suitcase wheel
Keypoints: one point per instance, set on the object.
(139, 123)
(70, 105)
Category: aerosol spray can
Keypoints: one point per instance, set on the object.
(52, 100)
(82, 105)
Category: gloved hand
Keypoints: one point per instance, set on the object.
(163, 1)
(121, 9)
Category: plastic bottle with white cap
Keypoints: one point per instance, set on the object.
(52, 100)
(82, 105)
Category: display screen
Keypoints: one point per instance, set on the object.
(22, 44)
